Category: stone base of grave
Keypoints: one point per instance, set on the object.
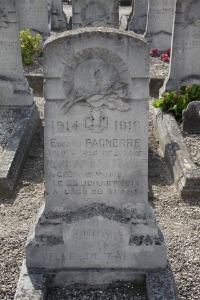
(56, 243)
(185, 174)
(35, 286)
(14, 153)
(15, 92)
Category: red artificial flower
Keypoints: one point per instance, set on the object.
(168, 51)
(165, 57)
(154, 52)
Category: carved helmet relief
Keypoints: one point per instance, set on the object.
(96, 81)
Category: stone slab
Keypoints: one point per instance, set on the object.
(58, 18)
(139, 18)
(14, 89)
(185, 56)
(89, 13)
(191, 118)
(33, 14)
(35, 286)
(160, 23)
(12, 158)
(184, 172)
(96, 243)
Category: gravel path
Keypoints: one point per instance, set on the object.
(192, 142)
(8, 119)
(178, 218)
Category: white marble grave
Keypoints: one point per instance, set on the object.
(14, 89)
(160, 18)
(185, 56)
(139, 18)
(96, 213)
(16, 101)
(34, 15)
(58, 18)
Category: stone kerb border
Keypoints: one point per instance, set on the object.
(35, 286)
(13, 156)
(185, 174)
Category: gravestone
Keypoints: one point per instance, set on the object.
(139, 17)
(90, 13)
(191, 117)
(96, 213)
(34, 15)
(185, 57)
(160, 23)
(58, 18)
(18, 112)
(14, 89)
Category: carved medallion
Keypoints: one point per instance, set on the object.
(96, 82)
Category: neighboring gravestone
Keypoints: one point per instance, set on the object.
(14, 89)
(18, 113)
(99, 13)
(58, 18)
(34, 15)
(139, 18)
(160, 23)
(96, 213)
(191, 118)
(185, 56)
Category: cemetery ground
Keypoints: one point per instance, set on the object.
(178, 219)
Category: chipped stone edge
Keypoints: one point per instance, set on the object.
(184, 173)
(161, 285)
(30, 286)
(17, 148)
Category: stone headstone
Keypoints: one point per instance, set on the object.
(96, 214)
(160, 23)
(58, 18)
(185, 57)
(18, 113)
(90, 13)
(14, 89)
(191, 117)
(139, 18)
(33, 14)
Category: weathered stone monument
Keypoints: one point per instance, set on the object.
(58, 18)
(90, 13)
(191, 118)
(14, 89)
(96, 214)
(139, 18)
(16, 99)
(185, 56)
(160, 23)
(34, 15)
